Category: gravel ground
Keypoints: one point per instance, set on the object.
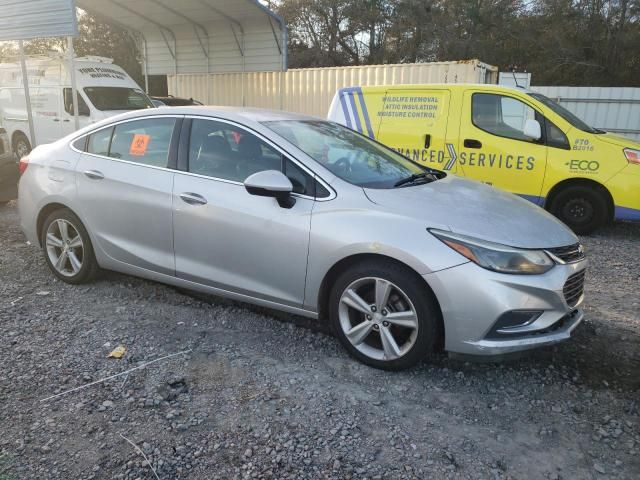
(261, 395)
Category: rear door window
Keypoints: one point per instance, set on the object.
(143, 141)
(99, 141)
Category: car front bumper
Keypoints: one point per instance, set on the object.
(474, 300)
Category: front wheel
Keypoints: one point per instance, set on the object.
(67, 248)
(581, 208)
(384, 315)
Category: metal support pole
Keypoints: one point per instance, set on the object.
(144, 64)
(244, 70)
(74, 86)
(25, 83)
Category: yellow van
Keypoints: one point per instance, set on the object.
(514, 139)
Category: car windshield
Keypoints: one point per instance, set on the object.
(349, 155)
(117, 98)
(564, 113)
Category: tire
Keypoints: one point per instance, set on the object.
(406, 294)
(21, 145)
(79, 264)
(582, 208)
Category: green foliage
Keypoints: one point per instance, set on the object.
(568, 42)
(96, 38)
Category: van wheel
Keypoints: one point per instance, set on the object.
(581, 208)
(21, 145)
(67, 248)
(384, 316)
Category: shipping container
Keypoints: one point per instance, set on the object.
(310, 90)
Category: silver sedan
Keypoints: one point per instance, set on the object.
(306, 216)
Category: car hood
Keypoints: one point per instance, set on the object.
(478, 210)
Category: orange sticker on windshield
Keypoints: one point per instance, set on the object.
(139, 144)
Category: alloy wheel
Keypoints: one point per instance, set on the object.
(64, 247)
(378, 318)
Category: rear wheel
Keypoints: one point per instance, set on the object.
(21, 145)
(67, 248)
(581, 208)
(384, 316)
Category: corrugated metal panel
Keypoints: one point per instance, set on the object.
(614, 109)
(23, 20)
(196, 36)
(311, 90)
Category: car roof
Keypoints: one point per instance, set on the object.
(240, 114)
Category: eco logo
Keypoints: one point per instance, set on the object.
(583, 166)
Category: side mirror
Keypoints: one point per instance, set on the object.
(532, 129)
(271, 183)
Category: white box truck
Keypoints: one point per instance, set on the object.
(104, 89)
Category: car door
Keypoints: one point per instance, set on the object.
(492, 145)
(414, 122)
(124, 181)
(228, 239)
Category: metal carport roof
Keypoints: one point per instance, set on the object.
(199, 36)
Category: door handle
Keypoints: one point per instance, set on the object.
(94, 174)
(193, 198)
(471, 143)
(427, 141)
(56, 119)
(66, 120)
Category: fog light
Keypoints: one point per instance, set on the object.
(513, 320)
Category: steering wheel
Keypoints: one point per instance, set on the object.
(343, 164)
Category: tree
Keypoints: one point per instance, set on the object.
(96, 38)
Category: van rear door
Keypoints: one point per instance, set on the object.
(414, 122)
(493, 147)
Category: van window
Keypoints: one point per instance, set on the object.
(565, 114)
(555, 136)
(117, 98)
(83, 109)
(143, 141)
(501, 115)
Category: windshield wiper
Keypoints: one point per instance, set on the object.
(414, 178)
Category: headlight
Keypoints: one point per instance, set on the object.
(633, 156)
(497, 257)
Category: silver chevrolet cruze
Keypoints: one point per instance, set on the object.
(306, 216)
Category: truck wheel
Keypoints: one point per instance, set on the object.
(21, 145)
(581, 208)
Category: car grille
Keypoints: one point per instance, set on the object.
(574, 288)
(570, 254)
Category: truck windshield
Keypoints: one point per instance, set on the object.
(351, 156)
(564, 113)
(117, 98)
